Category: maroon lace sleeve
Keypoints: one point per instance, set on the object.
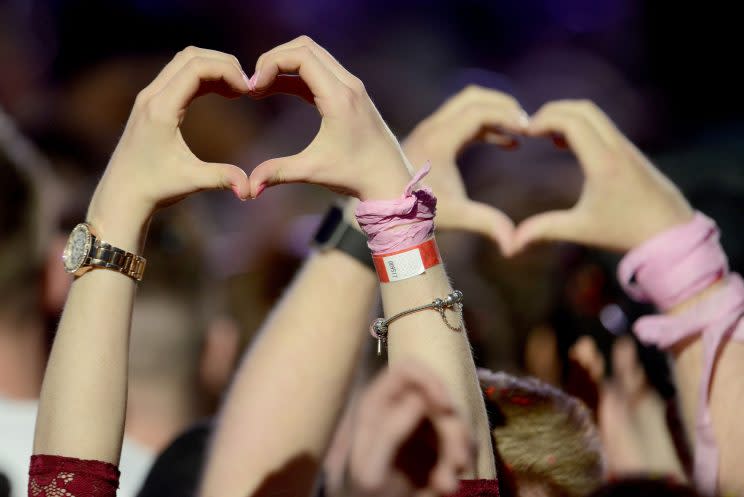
(57, 476)
(478, 488)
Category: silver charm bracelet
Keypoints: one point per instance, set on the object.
(379, 327)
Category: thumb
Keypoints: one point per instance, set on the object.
(216, 176)
(488, 221)
(553, 225)
(290, 169)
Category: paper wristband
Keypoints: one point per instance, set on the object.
(407, 263)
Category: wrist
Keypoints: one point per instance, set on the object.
(120, 225)
(391, 180)
(654, 226)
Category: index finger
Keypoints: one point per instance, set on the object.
(474, 95)
(580, 134)
(302, 61)
(321, 53)
(180, 60)
(185, 85)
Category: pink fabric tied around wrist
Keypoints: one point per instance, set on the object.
(392, 225)
(667, 270)
(674, 265)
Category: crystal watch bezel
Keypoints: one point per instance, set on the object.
(86, 250)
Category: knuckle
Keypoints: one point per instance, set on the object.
(508, 99)
(141, 98)
(472, 111)
(196, 64)
(305, 51)
(346, 97)
(473, 89)
(188, 52)
(234, 60)
(261, 60)
(587, 106)
(357, 85)
(305, 40)
(154, 111)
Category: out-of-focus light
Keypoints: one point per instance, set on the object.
(614, 319)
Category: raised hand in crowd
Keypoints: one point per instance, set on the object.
(407, 438)
(631, 415)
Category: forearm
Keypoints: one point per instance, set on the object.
(281, 412)
(83, 397)
(726, 397)
(425, 338)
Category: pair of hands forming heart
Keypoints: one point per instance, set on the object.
(624, 201)
(354, 151)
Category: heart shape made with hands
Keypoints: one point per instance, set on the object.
(624, 199)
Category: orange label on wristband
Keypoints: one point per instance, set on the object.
(407, 263)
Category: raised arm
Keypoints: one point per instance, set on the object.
(355, 152)
(628, 205)
(281, 411)
(83, 398)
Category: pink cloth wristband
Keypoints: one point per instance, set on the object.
(392, 225)
(669, 269)
(674, 265)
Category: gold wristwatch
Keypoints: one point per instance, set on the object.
(85, 251)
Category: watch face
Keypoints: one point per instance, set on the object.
(77, 248)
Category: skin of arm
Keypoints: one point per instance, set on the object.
(726, 397)
(625, 201)
(282, 408)
(83, 398)
(424, 338)
(474, 114)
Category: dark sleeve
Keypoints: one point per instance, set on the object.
(54, 476)
(177, 470)
(478, 488)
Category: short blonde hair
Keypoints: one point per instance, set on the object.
(544, 436)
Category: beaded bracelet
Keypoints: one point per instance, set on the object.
(379, 327)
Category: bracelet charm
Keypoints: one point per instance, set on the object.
(379, 327)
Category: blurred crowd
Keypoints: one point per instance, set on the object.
(69, 72)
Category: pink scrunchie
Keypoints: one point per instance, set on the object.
(392, 225)
(669, 269)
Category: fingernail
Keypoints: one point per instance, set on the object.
(260, 189)
(254, 79)
(247, 80)
(236, 191)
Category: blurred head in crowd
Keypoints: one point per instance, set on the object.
(20, 266)
(547, 440)
(26, 223)
(182, 348)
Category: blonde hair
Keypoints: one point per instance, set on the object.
(545, 437)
